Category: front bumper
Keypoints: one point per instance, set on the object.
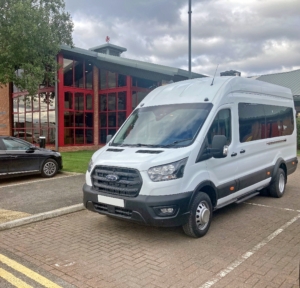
(140, 208)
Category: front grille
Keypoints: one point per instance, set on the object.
(128, 183)
(112, 210)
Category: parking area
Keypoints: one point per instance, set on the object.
(30, 195)
(253, 244)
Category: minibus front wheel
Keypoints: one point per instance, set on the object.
(200, 216)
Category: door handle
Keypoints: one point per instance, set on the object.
(233, 154)
(242, 151)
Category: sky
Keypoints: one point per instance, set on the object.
(255, 37)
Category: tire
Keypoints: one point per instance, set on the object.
(49, 168)
(200, 216)
(277, 187)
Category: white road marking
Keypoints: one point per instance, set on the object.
(267, 206)
(248, 254)
(40, 180)
(65, 265)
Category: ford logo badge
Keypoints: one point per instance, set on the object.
(112, 177)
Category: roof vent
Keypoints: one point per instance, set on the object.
(109, 49)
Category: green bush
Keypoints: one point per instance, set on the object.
(298, 132)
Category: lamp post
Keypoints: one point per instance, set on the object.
(190, 40)
(56, 109)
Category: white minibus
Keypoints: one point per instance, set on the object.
(192, 147)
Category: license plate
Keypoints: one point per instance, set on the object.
(111, 201)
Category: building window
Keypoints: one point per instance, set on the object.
(109, 80)
(34, 116)
(112, 113)
(143, 83)
(78, 73)
(68, 72)
(137, 97)
(78, 118)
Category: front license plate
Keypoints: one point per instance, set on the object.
(111, 201)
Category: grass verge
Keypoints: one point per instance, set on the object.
(76, 161)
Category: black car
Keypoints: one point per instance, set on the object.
(19, 157)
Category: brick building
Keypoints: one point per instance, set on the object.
(5, 110)
(96, 91)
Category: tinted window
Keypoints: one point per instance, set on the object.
(220, 126)
(251, 122)
(279, 121)
(257, 121)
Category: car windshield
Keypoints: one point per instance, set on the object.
(163, 126)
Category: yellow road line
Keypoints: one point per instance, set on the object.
(13, 280)
(27, 272)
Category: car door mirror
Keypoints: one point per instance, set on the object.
(219, 148)
(31, 149)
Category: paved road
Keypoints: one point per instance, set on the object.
(254, 244)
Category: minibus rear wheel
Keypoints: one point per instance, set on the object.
(277, 188)
(200, 216)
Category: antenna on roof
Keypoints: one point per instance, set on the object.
(212, 82)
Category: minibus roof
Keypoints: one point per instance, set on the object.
(209, 90)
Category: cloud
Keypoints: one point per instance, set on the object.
(252, 36)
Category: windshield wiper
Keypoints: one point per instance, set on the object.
(147, 145)
(178, 141)
(141, 145)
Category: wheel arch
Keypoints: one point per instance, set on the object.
(208, 188)
(280, 163)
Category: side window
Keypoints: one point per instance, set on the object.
(279, 121)
(220, 126)
(257, 121)
(252, 124)
(11, 144)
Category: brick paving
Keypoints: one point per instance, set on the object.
(90, 250)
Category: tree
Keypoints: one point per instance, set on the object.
(31, 32)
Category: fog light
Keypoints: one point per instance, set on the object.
(165, 211)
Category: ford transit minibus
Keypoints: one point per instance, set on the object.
(192, 147)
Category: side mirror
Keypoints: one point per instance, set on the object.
(108, 138)
(219, 148)
(31, 149)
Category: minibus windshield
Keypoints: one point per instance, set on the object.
(163, 126)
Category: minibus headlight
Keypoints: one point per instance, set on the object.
(91, 163)
(167, 172)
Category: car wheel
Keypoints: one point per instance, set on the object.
(277, 187)
(200, 216)
(49, 168)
